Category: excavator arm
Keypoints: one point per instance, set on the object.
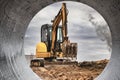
(61, 16)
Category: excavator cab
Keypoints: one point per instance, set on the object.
(46, 37)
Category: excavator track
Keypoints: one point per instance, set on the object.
(42, 62)
(37, 63)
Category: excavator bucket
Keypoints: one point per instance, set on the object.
(70, 50)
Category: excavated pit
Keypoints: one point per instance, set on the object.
(15, 16)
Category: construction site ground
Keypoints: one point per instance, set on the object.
(87, 70)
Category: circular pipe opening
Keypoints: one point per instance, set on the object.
(16, 15)
(85, 26)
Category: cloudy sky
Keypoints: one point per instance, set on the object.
(85, 26)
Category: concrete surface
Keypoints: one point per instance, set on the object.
(15, 16)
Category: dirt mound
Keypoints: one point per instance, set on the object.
(83, 71)
(94, 64)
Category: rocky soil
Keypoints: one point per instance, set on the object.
(87, 70)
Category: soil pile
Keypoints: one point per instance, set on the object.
(87, 70)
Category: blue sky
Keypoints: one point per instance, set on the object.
(85, 26)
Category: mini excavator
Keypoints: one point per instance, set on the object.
(55, 45)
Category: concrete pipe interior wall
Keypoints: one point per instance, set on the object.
(15, 16)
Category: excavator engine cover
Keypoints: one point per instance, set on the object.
(41, 50)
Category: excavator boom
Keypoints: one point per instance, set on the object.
(61, 16)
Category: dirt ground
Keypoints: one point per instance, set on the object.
(82, 71)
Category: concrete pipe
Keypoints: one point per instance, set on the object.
(15, 16)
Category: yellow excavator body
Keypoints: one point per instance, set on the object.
(41, 50)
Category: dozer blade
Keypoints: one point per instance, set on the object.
(61, 62)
